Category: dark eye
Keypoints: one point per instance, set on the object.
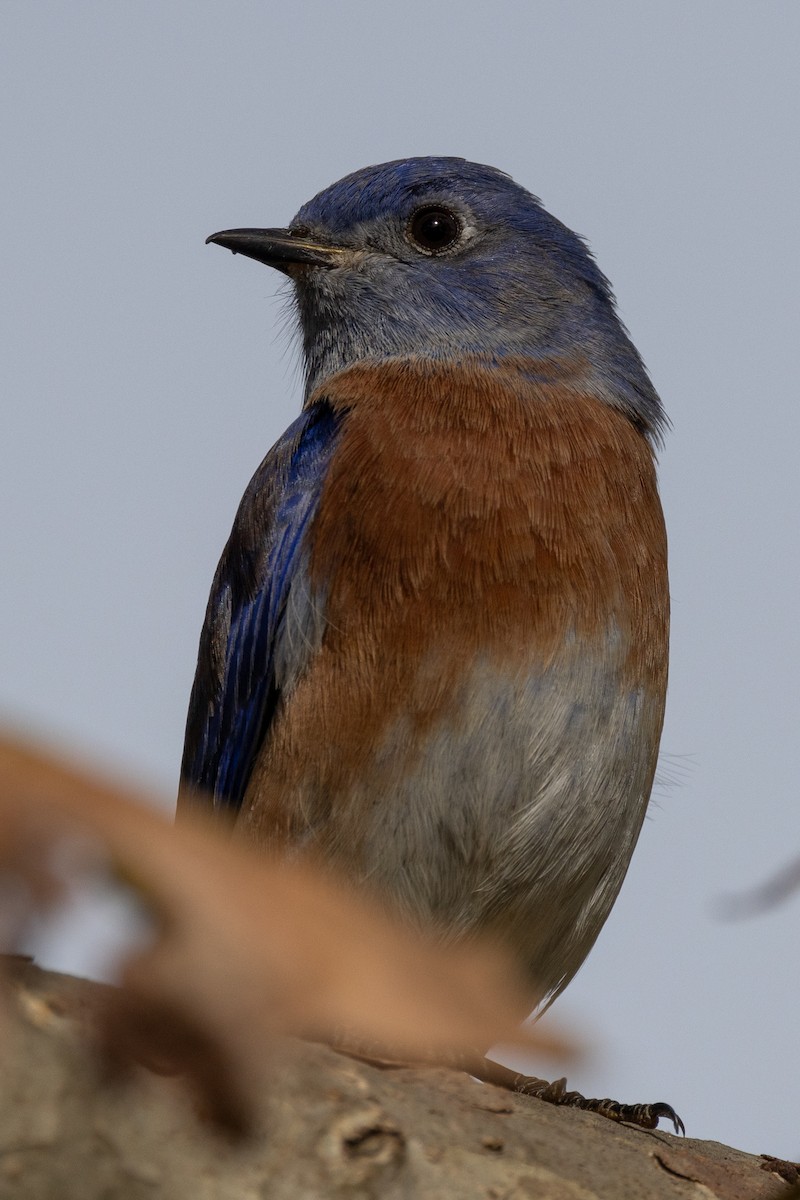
(434, 229)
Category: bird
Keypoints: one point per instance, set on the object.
(435, 652)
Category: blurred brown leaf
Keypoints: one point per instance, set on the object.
(246, 948)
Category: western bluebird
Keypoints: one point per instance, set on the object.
(435, 652)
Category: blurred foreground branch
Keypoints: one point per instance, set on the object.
(325, 1126)
(243, 948)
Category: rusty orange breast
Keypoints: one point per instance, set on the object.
(471, 514)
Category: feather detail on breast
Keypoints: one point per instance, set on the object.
(471, 720)
(435, 656)
(479, 515)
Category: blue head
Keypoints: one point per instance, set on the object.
(439, 257)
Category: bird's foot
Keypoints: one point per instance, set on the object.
(646, 1116)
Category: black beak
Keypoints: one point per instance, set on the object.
(279, 248)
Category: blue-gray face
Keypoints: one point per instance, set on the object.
(441, 258)
(445, 257)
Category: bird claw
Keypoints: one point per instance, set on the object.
(646, 1116)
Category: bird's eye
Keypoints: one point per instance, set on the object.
(434, 229)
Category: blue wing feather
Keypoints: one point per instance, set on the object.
(254, 644)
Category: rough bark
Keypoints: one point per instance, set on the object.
(329, 1126)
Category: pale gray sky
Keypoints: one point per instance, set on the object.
(144, 375)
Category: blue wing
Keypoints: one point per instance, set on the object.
(261, 623)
